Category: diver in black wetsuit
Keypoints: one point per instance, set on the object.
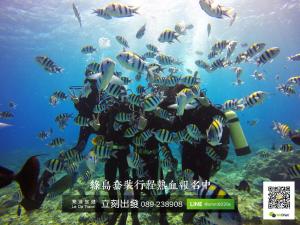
(150, 155)
(194, 156)
(121, 144)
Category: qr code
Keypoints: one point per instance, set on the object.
(279, 197)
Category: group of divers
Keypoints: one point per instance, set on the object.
(139, 135)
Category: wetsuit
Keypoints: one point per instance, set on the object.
(194, 156)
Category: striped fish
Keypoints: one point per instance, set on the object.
(168, 164)
(88, 49)
(6, 115)
(54, 165)
(240, 58)
(68, 155)
(268, 55)
(146, 134)
(114, 90)
(163, 136)
(134, 160)
(94, 67)
(149, 55)
(231, 104)
(63, 117)
(132, 61)
(230, 48)
(163, 114)
(130, 132)
(165, 152)
(151, 102)
(189, 80)
(165, 59)
(86, 176)
(194, 132)
(171, 81)
(82, 121)
(212, 54)
(254, 49)
(202, 64)
(212, 191)
(220, 46)
(138, 141)
(286, 89)
(211, 153)
(218, 11)
(71, 168)
(43, 135)
(294, 171)
(100, 108)
(140, 33)
(152, 48)
(219, 63)
(122, 117)
(120, 10)
(294, 80)
(282, 129)
(48, 64)
(286, 148)
(102, 13)
(134, 99)
(60, 94)
(215, 131)
(169, 36)
(56, 142)
(104, 152)
(253, 99)
(122, 41)
(126, 80)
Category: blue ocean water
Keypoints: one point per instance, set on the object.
(31, 28)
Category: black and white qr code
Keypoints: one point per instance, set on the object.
(279, 197)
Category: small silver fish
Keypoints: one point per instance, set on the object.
(76, 12)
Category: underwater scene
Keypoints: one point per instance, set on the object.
(150, 112)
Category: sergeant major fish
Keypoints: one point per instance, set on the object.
(267, 56)
(102, 13)
(183, 100)
(107, 68)
(168, 35)
(132, 61)
(140, 33)
(215, 10)
(88, 49)
(120, 10)
(215, 131)
(48, 64)
(283, 129)
(56, 142)
(122, 41)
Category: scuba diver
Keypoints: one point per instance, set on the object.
(200, 157)
(152, 170)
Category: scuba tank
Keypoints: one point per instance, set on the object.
(236, 133)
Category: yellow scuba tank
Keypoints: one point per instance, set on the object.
(236, 133)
